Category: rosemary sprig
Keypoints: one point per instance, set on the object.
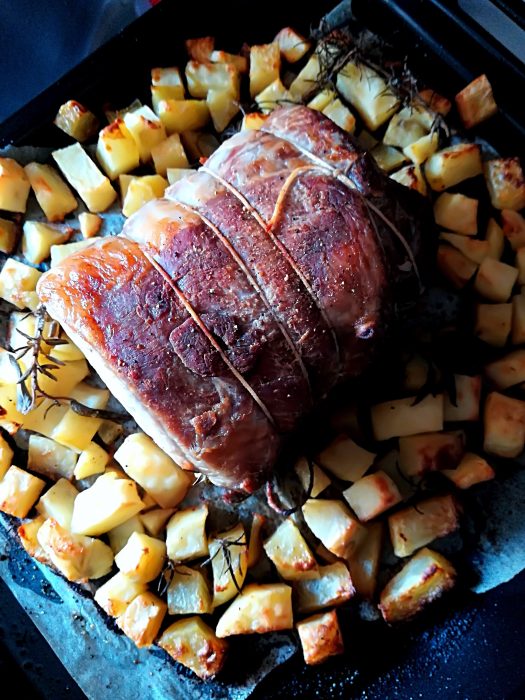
(224, 548)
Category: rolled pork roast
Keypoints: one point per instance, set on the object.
(223, 312)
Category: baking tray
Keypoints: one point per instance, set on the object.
(467, 646)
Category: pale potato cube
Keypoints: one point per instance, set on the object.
(75, 431)
(38, 238)
(223, 106)
(457, 213)
(195, 645)
(368, 92)
(333, 524)
(155, 520)
(508, 370)
(160, 93)
(472, 469)
(415, 527)
(290, 554)
(141, 190)
(110, 431)
(456, 267)
(472, 248)
(153, 470)
(265, 65)
(8, 236)
(78, 558)
(92, 460)
(142, 619)
(43, 419)
(63, 251)
(240, 62)
(322, 100)
(83, 175)
(493, 323)
(259, 608)
(340, 115)
(19, 491)
(76, 121)
(420, 454)
(320, 480)
(10, 419)
(186, 534)
(364, 563)
(411, 176)
(333, 587)
(117, 593)
(274, 95)
(476, 102)
(292, 45)
(495, 280)
(176, 174)
(142, 558)
(117, 149)
(504, 426)
(188, 592)
(422, 149)
(506, 183)
(146, 129)
(204, 76)
(306, 81)
(169, 154)
(495, 238)
(387, 157)
(57, 503)
(423, 579)
(255, 545)
(200, 49)
(228, 578)
(168, 77)
(18, 283)
(404, 417)
(518, 319)
(372, 495)
(118, 536)
(14, 186)
(452, 165)
(320, 637)
(183, 115)
(52, 193)
(106, 504)
(435, 101)
(6, 456)
(467, 399)
(345, 459)
(28, 533)
(408, 126)
(89, 224)
(253, 120)
(513, 228)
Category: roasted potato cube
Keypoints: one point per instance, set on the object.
(320, 480)
(18, 283)
(340, 115)
(76, 121)
(50, 459)
(457, 213)
(8, 236)
(306, 81)
(14, 186)
(435, 101)
(387, 157)
(155, 520)
(504, 425)
(422, 149)
(193, 644)
(57, 503)
(259, 608)
(476, 102)
(320, 637)
(146, 130)
(495, 238)
(466, 404)
(368, 92)
(333, 524)
(411, 176)
(253, 120)
(10, 418)
(472, 248)
(518, 319)
(292, 45)
(506, 183)
(372, 495)
(83, 175)
(89, 224)
(106, 504)
(255, 544)
(513, 228)
(117, 149)
(290, 554)
(471, 470)
(141, 190)
(117, 593)
(28, 532)
(364, 563)
(495, 280)
(240, 62)
(63, 251)
(160, 93)
(274, 95)
(323, 99)
(75, 431)
(110, 431)
(405, 417)
(200, 49)
(229, 559)
(186, 534)
(265, 65)
(19, 491)
(345, 459)
(188, 592)
(333, 587)
(493, 323)
(183, 115)
(508, 370)
(223, 106)
(38, 238)
(222, 77)
(423, 579)
(419, 454)
(415, 527)
(152, 469)
(118, 536)
(452, 165)
(168, 77)
(142, 558)
(169, 154)
(455, 266)
(52, 193)
(408, 126)
(142, 619)
(78, 558)
(92, 460)
(6, 456)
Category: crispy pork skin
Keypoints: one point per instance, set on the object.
(259, 283)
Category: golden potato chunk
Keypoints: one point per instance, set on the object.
(476, 102)
(228, 574)
(52, 193)
(405, 417)
(188, 592)
(142, 558)
(495, 280)
(435, 101)
(89, 224)
(290, 554)
(38, 238)
(274, 95)
(64, 250)
(169, 154)
(320, 637)
(422, 149)
(18, 283)
(345, 459)
(507, 371)
(364, 563)
(333, 524)
(259, 608)
(368, 92)
(323, 99)
(457, 212)
(57, 503)
(292, 45)
(6, 456)
(306, 81)
(320, 480)
(92, 460)
(223, 106)
(387, 157)
(472, 469)
(471, 248)
(117, 593)
(76, 121)
(265, 65)
(186, 534)
(202, 77)
(493, 323)
(333, 587)
(456, 267)
(452, 165)
(506, 183)
(372, 495)
(14, 186)
(155, 520)
(19, 491)
(340, 115)
(408, 126)
(168, 78)
(411, 176)
(119, 535)
(195, 645)
(28, 532)
(183, 115)
(117, 149)
(8, 236)
(146, 129)
(142, 619)
(504, 425)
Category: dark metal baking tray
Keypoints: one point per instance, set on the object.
(468, 646)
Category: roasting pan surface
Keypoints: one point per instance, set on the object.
(469, 646)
